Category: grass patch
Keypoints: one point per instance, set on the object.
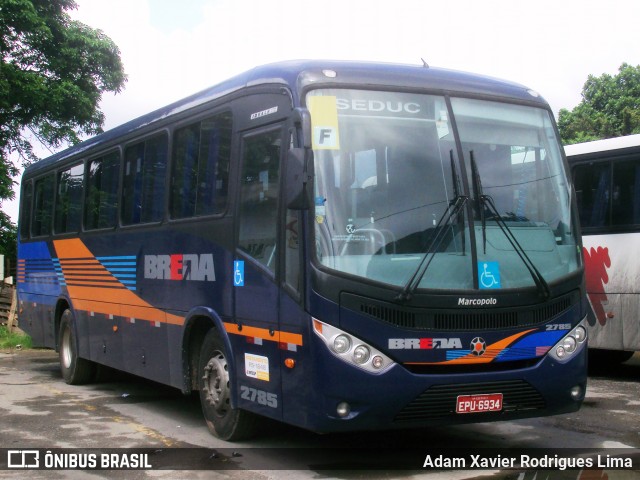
(13, 339)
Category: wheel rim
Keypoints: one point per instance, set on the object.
(216, 383)
(65, 348)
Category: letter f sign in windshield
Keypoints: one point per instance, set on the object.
(325, 137)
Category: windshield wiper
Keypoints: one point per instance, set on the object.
(452, 210)
(478, 194)
(456, 192)
(485, 201)
(454, 176)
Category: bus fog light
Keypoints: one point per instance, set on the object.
(569, 344)
(341, 344)
(343, 409)
(377, 362)
(576, 392)
(361, 354)
(560, 352)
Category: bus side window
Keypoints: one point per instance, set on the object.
(25, 212)
(292, 226)
(292, 250)
(592, 185)
(101, 207)
(43, 206)
(260, 182)
(69, 199)
(143, 186)
(625, 199)
(200, 175)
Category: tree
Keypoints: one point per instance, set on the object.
(53, 73)
(8, 242)
(610, 107)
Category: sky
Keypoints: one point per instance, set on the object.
(172, 48)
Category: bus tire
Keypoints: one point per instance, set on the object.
(214, 381)
(75, 370)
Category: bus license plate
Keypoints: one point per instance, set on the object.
(479, 403)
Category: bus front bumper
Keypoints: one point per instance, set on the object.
(350, 399)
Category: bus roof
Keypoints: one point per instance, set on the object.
(299, 74)
(608, 144)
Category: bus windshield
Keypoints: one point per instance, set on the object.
(393, 198)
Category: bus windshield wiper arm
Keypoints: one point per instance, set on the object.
(451, 211)
(478, 193)
(486, 201)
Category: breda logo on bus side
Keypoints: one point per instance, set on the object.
(180, 267)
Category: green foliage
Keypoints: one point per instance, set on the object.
(610, 107)
(8, 238)
(13, 339)
(53, 73)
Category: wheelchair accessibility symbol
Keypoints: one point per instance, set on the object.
(238, 273)
(489, 274)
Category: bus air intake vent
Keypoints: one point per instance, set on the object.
(459, 319)
(475, 321)
(550, 310)
(397, 317)
(439, 401)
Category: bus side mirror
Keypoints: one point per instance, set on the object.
(302, 120)
(297, 179)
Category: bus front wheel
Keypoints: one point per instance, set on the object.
(224, 422)
(75, 370)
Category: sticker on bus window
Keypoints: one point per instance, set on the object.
(256, 366)
(238, 273)
(324, 123)
(489, 274)
(442, 124)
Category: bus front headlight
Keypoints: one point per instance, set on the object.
(570, 344)
(341, 344)
(351, 349)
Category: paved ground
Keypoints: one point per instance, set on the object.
(38, 410)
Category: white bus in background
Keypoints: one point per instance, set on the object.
(606, 175)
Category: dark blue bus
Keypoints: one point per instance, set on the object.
(339, 246)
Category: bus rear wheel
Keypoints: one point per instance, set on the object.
(223, 421)
(75, 370)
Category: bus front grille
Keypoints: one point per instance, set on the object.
(439, 401)
(459, 319)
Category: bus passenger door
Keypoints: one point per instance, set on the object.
(256, 291)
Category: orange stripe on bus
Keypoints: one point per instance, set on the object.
(127, 311)
(265, 334)
(123, 301)
(92, 281)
